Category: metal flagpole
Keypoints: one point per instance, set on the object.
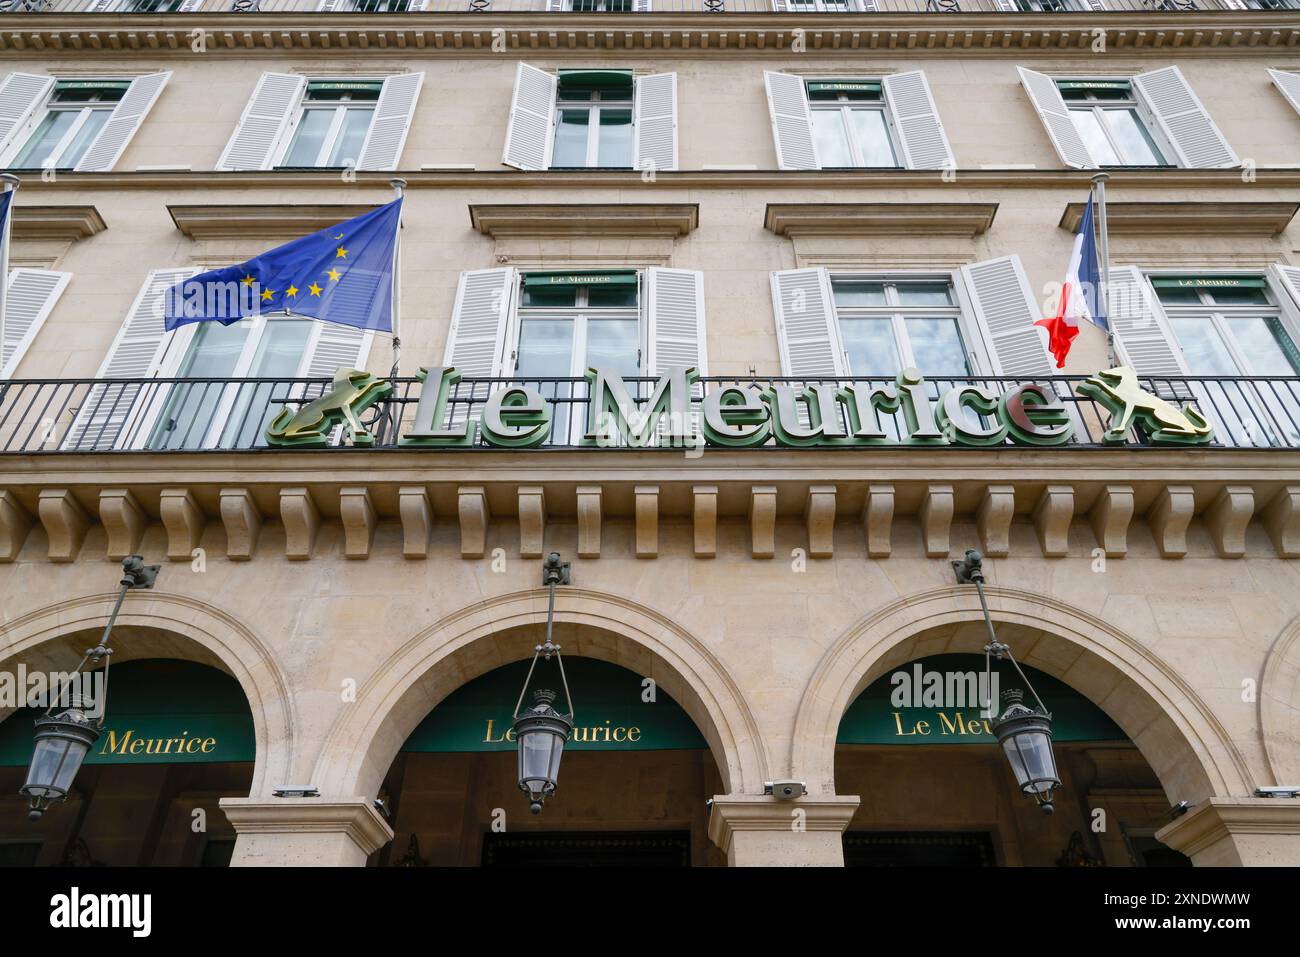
(11, 184)
(1099, 189)
(399, 186)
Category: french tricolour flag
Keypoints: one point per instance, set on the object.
(1080, 296)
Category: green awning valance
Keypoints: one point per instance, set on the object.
(843, 86)
(1209, 282)
(346, 86)
(622, 277)
(597, 79)
(1094, 85)
(93, 85)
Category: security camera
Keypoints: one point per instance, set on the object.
(380, 806)
(785, 790)
(1181, 808)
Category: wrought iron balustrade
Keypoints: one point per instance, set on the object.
(864, 8)
(40, 417)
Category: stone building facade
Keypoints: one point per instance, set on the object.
(816, 192)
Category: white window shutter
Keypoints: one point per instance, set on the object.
(1142, 333)
(476, 342)
(557, 6)
(1288, 84)
(333, 6)
(1005, 308)
(1288, 278)
(675, 328)
(29, 299)
(916, 120)
(268, 115)
(21, 95)
(127, 116)
(640, 6)
(1046, 98)
(334, 347)
(787, 105)
(1007, 6)
(382, 148)
(1183, 120)
(780, 6)
(532, 113)
(806, 330)
(109, 415)
(654, 126)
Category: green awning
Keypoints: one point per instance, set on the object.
(597, 79)
(346, 86)
(93, 85)
(1209, 282)
(621, 277)
(843, 86)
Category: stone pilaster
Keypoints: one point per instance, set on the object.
(1238, 832)
(305, 832)
(760, 831)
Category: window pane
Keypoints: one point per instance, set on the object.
(937, 346)
(615, 138)
(278, 355)
(52, 129)
(553, 297)
(1202, 347)
(613, 343)
(347, 150)
(545, 348)
(1239, 296)
(95, 120)
(1094, 138)
(859, 293)
(1135, 143)
(871, 347)
(832, 143)
(1265, 344)
(611, 297)
(872, 135)
(308, 137)
(213, 353)
(924, 294)
(571, 139)
(1178, 296)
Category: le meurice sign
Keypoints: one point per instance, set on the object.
(866, 413)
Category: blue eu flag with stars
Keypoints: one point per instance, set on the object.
(342, 274)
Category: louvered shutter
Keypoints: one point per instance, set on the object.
(1046, 98)
(266, 118)
(476, 342)
(556, 6)
(787, 106)
(127, 116)
(335, 347)
(532, 110)
(21, 95)
(29, 299)
(640, 6)
(1005, 308)
(110, 416)
(1288, 85)
(806, 331)
(1288, 277)
(1186, 125)
(1142, 332)
(334, 6)
(382, 148)
(675, 327)
(655, 122)
(916, 120)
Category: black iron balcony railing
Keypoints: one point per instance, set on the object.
(200, 415)
(864, 7)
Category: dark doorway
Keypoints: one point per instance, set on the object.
(918, 849)
(598, 849)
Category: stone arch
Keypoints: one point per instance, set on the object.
(1177, 733)
(161, 625)
(1279, 706)
(365, 740)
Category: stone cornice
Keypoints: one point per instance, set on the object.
(1189, 218)
(1217, 819)
(239, 222)
(879, 219)
(584, 220)
(68, 223)
(751, 812)
(356, 817)
(961, 180)
(744, 35)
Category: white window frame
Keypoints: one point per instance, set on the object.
(845, 107)
(593, 108)
(580, 314)
(1134, 104)
(974, 336)
(340, 108)
(20, 140)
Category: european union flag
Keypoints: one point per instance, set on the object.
(343, 274)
